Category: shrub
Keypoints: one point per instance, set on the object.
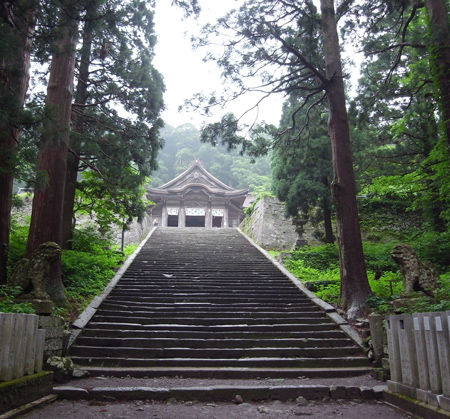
(9, 305)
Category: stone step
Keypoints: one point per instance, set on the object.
(269, 362)
(208, 304)
(208, 328)
(209, 308)
(198, 313)
(329, 335)
(226, 342)
(226, 373)
(306, 305)
(212, 353)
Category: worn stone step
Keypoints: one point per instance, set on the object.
(226, 342)
(210, 314)
(212, 353)
(221, 393)
(166, 320)
(221, 328)
(201, 303)
(208, 308)
(227, 373)
(329, 335)
(306, 305)
(268, 362)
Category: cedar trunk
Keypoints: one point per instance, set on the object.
(328, 227)
(81, 97)
(13, 87)
(440, 55)
(46, 217)
(354, 284)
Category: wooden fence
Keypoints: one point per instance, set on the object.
(21, 345)
(419, 356)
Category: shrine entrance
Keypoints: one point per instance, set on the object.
(195, 221)
(172, 220)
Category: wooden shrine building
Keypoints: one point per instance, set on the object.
(196, 198)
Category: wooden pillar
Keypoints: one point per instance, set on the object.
(164, 215)
(208, 216)
(225, 215)
(182, 215)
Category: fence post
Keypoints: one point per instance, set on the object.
(421, 351)
(407, 348)
(40, 344)
(6, 327)
(392, 325)
(432, 353)
(442, 325)
(30, 343)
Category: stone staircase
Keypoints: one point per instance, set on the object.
(207, 304)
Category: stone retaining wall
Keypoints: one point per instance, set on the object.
(268, 226)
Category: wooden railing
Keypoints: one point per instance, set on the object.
(419, 356)
(21, 345)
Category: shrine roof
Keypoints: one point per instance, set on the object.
(197, 176)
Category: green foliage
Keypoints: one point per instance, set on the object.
(434, 247)
(322, 257)
(182, 145)
(9, 305)
(17, 243)
(89, 266)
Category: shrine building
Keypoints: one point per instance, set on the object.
(196, 198)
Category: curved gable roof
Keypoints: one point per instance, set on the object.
(197, 175)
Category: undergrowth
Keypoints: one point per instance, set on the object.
(318, 267)
(86, 269)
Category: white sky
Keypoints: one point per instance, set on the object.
(185, 73)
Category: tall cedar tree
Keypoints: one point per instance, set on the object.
(46, 217)
(16, 28)
(354, 284)
(268, 42)
(114, 71)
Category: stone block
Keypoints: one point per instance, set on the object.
(338, 392)
(71, 393)
(24, 390)
(401, 388)
(378, 391)
(377, 335)
(54, 332)
(444, 402)
(50, 321)
(40, 343)
(53, 344)
(367, 393)
(353, 392)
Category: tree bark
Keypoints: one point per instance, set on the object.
(440, 56)
(46, 217)
(14, 70)
(81, 97)
(354, 284)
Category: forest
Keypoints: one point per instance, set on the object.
(80, 122)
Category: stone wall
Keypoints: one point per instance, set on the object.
(269, 227)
